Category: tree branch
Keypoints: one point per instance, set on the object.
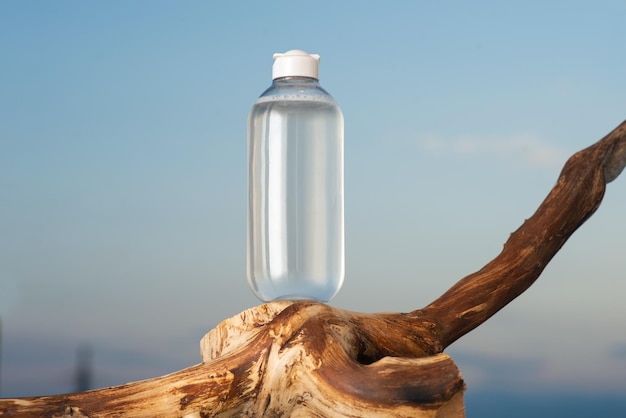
(310, 359)
(575, 197)
(278, 360)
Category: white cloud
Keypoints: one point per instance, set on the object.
(524, 148)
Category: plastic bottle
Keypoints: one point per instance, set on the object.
(295, 245)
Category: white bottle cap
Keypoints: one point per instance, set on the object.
(296, 63)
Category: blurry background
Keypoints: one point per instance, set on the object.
(123, 180)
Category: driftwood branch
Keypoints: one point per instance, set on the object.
(309, 359)
(575, 197)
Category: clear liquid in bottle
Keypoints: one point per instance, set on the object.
(295, 192)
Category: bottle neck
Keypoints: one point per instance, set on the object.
(295, 80)
(295, 85)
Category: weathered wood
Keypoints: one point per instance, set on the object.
(576, 195)
(312, 360)
(284, 359)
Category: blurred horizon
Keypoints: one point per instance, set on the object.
(123, 178)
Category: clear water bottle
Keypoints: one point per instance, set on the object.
(295, 245)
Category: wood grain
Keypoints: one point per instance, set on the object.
(306, 359)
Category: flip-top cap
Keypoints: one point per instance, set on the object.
(295, 63)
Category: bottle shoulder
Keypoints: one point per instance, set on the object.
(296, 89)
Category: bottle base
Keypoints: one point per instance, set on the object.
(297, 298)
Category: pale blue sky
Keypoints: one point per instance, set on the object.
(123, 174)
